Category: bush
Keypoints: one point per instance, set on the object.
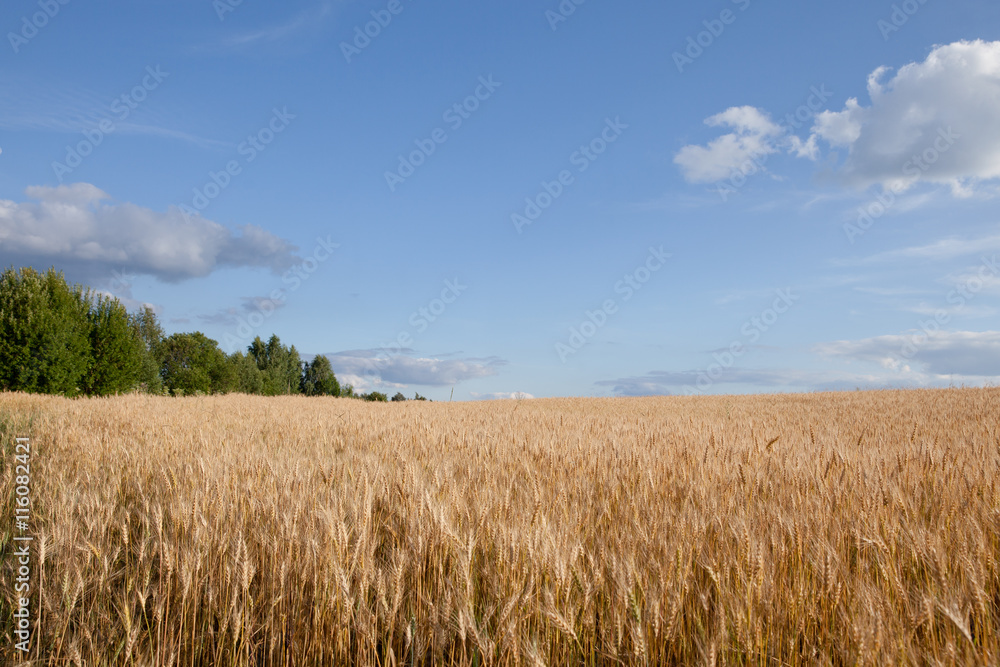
(376, 397)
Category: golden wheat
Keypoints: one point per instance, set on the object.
(854, 528)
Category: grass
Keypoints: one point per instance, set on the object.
(856, 528)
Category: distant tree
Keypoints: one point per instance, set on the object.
(281, 366)
(248, 378)
(147, 328)
(398, 398)
(375, 397)
(347, 391)
(117, 350)
(418, 397)
(318, 378)
(193, 362)
(44, 333)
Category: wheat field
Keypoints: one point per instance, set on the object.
(825, 529)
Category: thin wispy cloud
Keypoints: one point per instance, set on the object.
(57, 106)
(942, 250)
(665, 383)
(308, 20)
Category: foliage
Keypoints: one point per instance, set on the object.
(59, 338)
(147, 328)
(193, 363)
(44, 333)
(318, 378)
(117, 349)
(248, 378)
(281, 366)
(398, 398)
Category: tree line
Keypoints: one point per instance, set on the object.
(57, 338)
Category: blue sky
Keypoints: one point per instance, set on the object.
(550, 198)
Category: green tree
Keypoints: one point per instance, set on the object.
(193, 362)
(118, 351)
(248, 378)
(318, 378)
(44, 333)
(281, 366)
(398, 398)
(147, 328)
(375, 397)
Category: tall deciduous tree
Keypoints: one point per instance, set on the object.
(117, 349)
(318, 378)
(44, 333)
(248, 378)
(280, 365)
(147, 328)
(193, 362)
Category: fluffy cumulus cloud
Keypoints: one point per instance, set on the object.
(80, 229)
(941, 354)
(368, 368)
(932, 121)
(754, 135)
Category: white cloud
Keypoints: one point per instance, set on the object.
(501, 395)
(307, 21)
(78, 229)
(952, 96)
(973, 354)
(376, 368)
(63, 106)
(755, 135)
(945, 249)
(660, 383)
(930, 122)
